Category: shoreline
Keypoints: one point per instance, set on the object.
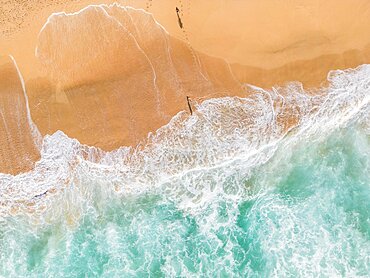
(121, 113)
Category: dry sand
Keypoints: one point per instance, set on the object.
(108, 77)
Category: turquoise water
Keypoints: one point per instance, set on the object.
(229, 191)
(226, 192)
(304, 213)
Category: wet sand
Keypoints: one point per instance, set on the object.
(111, 90)
(18, 150)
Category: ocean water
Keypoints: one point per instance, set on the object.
(228, 192)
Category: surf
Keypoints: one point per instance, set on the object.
(274, 183)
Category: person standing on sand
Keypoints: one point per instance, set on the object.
(189, 105)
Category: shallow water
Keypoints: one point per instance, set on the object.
(229, 191)
(303, 213)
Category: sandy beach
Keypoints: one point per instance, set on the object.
(109, 75)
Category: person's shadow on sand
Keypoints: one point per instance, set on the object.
(179, 18)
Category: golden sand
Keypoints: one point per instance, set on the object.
(110, 75)
(18, 151)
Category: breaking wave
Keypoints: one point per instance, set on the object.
(274, 184)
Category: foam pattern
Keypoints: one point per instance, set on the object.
(245, 186)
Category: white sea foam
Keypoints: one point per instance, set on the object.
(200, 162)
(183, 158)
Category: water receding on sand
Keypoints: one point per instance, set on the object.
(232, 190)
